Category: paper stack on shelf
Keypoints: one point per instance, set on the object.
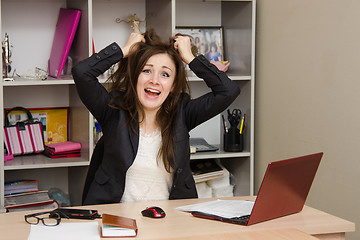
(29, 201)
(211, 178)
(205, 169)
(203, 190)
(221, 186)
(63, 149)
(20, 186)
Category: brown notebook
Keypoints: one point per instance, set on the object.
(116, 226)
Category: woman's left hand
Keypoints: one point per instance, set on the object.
(183, 45)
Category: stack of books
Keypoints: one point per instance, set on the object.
(63, 149)
(29, 201)
(20, 186)
(205, 169)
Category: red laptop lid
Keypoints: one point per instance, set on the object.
(285, 187)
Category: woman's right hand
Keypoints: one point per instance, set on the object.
(133, 39)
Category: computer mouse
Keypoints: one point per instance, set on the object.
(153, 212)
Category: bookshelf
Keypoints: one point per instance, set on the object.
(31, 29)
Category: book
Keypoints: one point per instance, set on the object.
(20, 186)
(51, 204)
(65, 30)
(63, 147)
(62, 154)
(63, 150)
(205, 169)
(29, 201)
(117, 226)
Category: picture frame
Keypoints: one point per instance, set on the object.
(54, 120)
(208, 41)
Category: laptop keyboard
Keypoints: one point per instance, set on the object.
(240, 220)
(246, 217)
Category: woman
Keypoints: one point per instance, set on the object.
(146, 116)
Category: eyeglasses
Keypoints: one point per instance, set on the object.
(53, 219)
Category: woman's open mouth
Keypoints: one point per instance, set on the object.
(152, 92)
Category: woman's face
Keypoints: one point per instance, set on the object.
(155, 81)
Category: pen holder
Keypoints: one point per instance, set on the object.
(233, 140)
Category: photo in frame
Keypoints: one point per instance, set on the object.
(54, 120)
(207, 40)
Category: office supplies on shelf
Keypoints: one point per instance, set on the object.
(8, 157)
(63, 146)
(29, 201)
(66, 26)
(117, 226)
(20, 186)
(24, 137)
(242, 125)
(202, 145)
(283, 191)
(205, 169)
(233, 140)
(63, 149)
(234, 117)
(233, 137)
(224, 124)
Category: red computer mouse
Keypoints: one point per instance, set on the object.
(153, 212)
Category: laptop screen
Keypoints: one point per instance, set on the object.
(285, 187)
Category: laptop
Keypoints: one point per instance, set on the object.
(283, 191)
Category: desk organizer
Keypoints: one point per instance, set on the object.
(233, 140)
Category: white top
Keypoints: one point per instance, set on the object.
(147, 179)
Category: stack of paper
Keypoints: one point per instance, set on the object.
(63, 149)
(205, 169)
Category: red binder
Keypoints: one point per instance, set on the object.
(66, 26)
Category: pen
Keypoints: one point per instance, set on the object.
(224, 123)
(242, 124)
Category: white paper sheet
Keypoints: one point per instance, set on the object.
(68, 231)
(221, 208)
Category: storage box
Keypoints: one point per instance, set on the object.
(224, 191)
(203, 190)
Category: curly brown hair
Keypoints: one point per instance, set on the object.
(125, 79)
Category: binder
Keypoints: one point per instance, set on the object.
(66, 26)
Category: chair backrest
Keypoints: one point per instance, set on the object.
(95, 162)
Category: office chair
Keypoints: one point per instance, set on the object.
(95, 162)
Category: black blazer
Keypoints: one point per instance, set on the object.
(121, 143)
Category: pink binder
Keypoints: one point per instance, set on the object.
(66, 26)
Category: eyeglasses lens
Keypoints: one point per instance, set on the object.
(50, 221)
(32, 220)
(47, 220)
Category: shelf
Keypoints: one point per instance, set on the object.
(232, 77)
(40, 161)
(69, 81)
(218, 154)
(64, 80)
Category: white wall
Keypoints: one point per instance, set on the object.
(308, 93)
